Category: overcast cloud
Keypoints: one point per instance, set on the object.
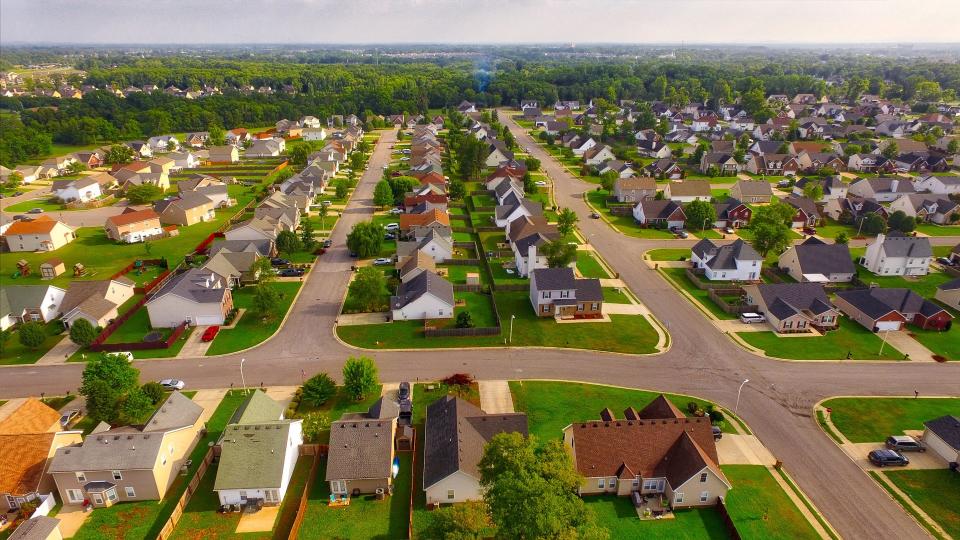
(479, 21)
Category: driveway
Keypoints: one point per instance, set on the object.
(907, 345)
(195, 347)
(738, 449)
(918, 460)
(495, 397)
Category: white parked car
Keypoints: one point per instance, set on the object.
(392, 226)
(749, 318)
(382, 261)
(396, 211)
(541, 183)
(172, 384)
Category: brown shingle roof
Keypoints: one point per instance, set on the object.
(24, 457)
(135, 216)
(40, 225)
(32, 416)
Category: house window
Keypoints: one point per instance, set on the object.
(613, 482)
(74, 495)
(704, 495)
(579, 307)
(111, 494)
(601, 483)
(594, 306)
(678, 497)
(243, 495)
(163, 460)
(451, 494)
(117, 475)
(546, 294)
(703, 477)
(636, 482)
(546, 308)
(81, 477)
(130, 492)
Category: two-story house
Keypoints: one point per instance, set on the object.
(730, 262)
(555, 292)
(898, 255)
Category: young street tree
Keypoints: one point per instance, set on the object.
(369, 288)
(318, 389)
(266, 301)
(32, 334)
(700, 214)
(306, 233)
(341, 189)
(288, 242)
(360, 377)
(382, 194)
(559, 253)
(365, 239)
(566, 220)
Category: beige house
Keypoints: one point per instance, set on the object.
(656, 452)
(224, 154)
(793, 307)
(752, 191)
(128, 463)
(41, 234)
(95, 301)
(362, 448)
(198, 296)
(949, 293)
(29, 436)
(134, 226)
(187, 209)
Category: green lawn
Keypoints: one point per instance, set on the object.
(625, 333)
(551, 406)
(145, 519)
(925, 286)
(337, 405)
(136, 327)
(870, 419)
(679, 277)
(48, 205)
(15, 353)
(58, 402)
(618, 516)
(760, 508)
(479, 306)
(945, 344)
(250, 329)
(366, 517)
(711, 234)
(626, 224)
(499, 267)
(936, 492)
(938, 230)
(352, 304)
(669, 254)
(589, 266)
(458, 273)
(850, 337)
(613, 295)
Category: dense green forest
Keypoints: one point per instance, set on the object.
(355, 85)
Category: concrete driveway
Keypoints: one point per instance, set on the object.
(495, 397)
(918, 460)
(736, 449)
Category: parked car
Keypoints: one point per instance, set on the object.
(403, 393)
(750, 318)
(35, 211)
(594, 215)
(717, 432)
(396, 211)
(729, 230)
(392, 227)
(944, 261)
(389, 236)
(883, 457)
(277, 261)
(210, 333)
(809, 230)
(327, 243)
(904, 443)
(682, 234)
(68, 417)
(353, 254)
(290, 272)
(326, 203)
(172, 384)
(783, 183)
(382, 261)
(541, 183)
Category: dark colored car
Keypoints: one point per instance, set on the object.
(354, 254)
(403, 394)
(327, 243)
(594, 215)
(885, 457)
(717, 432)
(944, 261)
(277, 261)
(809, 230)
(35, 211)
(290, 272)
(210, 333)
(904, 443)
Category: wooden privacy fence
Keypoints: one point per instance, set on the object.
(717, 295)
(138, 345)
(459, 332)
(168, 527)
(727, 520)
(511, 287)
(145, 262)
(315, 450)
(461, 262)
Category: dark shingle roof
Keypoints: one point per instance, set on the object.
(418, 286)
(360, 448)
(788, 299)
(197, 284)
(947, 428)
(817, 257)
(725, 257)
(878, 301)
(897, 245)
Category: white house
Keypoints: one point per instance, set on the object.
(940, 185)
(898, 255)
(730, 262)
(84, 189)
(197, 297)
(25, 303)
(942, 435)
(184, 160)
(313, 134)
(598, 154)
(427, 296)
(257, 467)
(527, 235)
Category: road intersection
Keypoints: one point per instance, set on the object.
(777, 403)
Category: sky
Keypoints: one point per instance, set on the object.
(478, 21)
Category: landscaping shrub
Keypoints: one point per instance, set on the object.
(154, 391)
(459, 379)
(32, 335)
(318, 389)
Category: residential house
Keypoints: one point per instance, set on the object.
(867, 163)
(634, 189)
(40, 527)
(91, 158)
(264, 229)
(187, 209)
(752, 191)
(732, 213)
(414, 264)
(527, 234)
(184, 160)
(197, 139)
(455, 434)
(430, 219)
(25, 303)
(928, 207)
(898, 255)
(224, 154)
(198, 297)
(31, 173)
(314, 134)
(939, 185)
(949, 293)
(60, 164)
(817, 261)
(96, 301)
(729, 262)
(666, 213)
(882, 189)
(263, 248)
(722, 162)
(133, 226)
(426, 296)
(806, 213)
(833, 188)
(208, 186)
(598, 154)
(507, 187)
(620, 168)
(499, 153)
(163, 143)
(127, 464)
(653, 149)
(435, 242)
(238, 268)
(265, 148)
(514, 207)
(942, 435)
(555, 292)
(238, 136)
(362, 450)
(258, 453)
(84, 189)
(882, 309)
(140, 149)
(656, 452)
(40, 234)
(686, 191)
(418, 204)
(664, 168)
(853, 209)
(793, 307)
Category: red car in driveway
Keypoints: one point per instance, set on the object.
(210, 333)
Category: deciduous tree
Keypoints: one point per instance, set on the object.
(360, 377)
(365, 239)
(82, 332)
(318, 389)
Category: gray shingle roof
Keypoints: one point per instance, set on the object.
(360, 449)
(418, 286)
(897, 245)
(817, 257)
(252, 455)
(38, 528)
(947, 428)
(878, 301)
(951, 285)
(197, 284)
(15, 299)
(725, 257)
(754, 187)
(787, 299)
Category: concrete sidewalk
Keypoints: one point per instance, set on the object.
(495, 397)
(195, 347)
(59, 353)
(209, 399)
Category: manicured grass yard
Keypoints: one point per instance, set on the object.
(615, 296)
(679, 277)
(458, 273)
(145, 519)
(618, 516)
(945, 344)
(935, 491)
(938, 230)
(250, 329)
(760, 508)
(668, 254)
(550, 406)
(850, 337)
(925, 286)
(874, 419)
(499, 268)
(337, 405)
(366, 517)
(480, 307)
(625, 333)
(589, 266)
(626, 224)
(15, 353)
(136, 327)
(48, 205)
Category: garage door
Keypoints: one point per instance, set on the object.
(883, 326)
(208, 320)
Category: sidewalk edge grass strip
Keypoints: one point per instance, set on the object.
(737, 420)
(822, 421)
(249, 331)
(906, 506)
(807, 503)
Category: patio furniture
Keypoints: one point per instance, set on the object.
(338, 500)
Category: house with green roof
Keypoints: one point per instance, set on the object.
(25, 303)
(258, 452)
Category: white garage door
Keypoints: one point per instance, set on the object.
(888, 325)
(208, 320)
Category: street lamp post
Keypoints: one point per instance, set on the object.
(704, 227)
(512, 317)
(737, 406)
(242, 378)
